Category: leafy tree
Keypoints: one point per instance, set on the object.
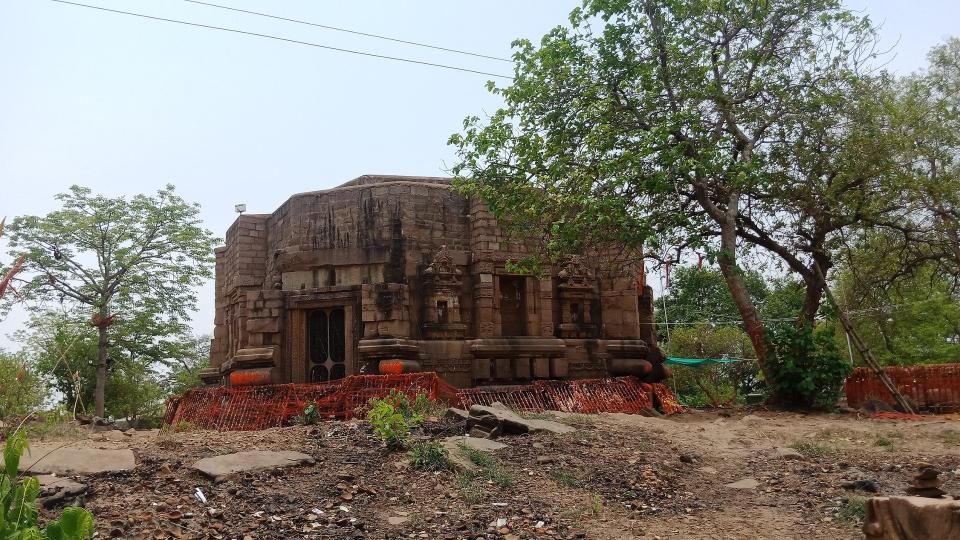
(22, 390)
(185, 372)
(132, 262)
(659, 122)
(701, 295)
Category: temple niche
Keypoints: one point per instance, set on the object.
(388, 274)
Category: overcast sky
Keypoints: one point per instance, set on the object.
(125, 105)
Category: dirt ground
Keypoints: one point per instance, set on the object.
(616, 477)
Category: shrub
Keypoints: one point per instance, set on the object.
(811, 449)
(807, 367)
(389, 424)
(429, 456)
(18, 504)
(392, 417)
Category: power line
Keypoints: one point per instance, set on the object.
(347, 30)
(288, 40)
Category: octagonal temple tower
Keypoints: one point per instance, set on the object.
(388, 274)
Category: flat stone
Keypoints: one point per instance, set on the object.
(218, 467)
(789, 454)
(54, 489)
(397, 520)
(49, 458)
(707, 469)
(745, 483)
(457, 456)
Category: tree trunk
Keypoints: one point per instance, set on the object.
(814, 285)
(101, 383)
(738, 290)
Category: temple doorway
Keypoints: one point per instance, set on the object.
(513, 309)
(326, 352)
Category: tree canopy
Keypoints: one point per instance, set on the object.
(131, 264)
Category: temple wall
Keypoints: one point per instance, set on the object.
(410, 272)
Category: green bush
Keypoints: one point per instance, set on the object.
(807, 367)
(429, 456)
(18, 504)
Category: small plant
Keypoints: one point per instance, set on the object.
(537, 415)
(18, 504)
(310, 416)
(811, 449)
(500, 477)
(564, 478)
(389, 424)
(470, 492)
(429, 456)
(853, 510)
(883, 442)
(596, 503)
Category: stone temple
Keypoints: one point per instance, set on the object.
(390, 274)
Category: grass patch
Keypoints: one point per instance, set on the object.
(538, 415)
(950, 436)
(564, 478)
(853, 510)
(180, 427)
(883, 442)
(488, 470)
(429, 456)
(580, 421)
(813, 450)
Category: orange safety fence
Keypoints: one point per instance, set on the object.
(241, 408)
(934, 387)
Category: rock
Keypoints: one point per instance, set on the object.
(863, 485)
(789, 454)
(48, 458)
(56, 489)
(219, 467)
(687, 458)
(456, 414)
(708, 470)
(745, 483)
(911, 518)
(496, 416)
(397, 520)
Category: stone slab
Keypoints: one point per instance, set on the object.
(48, 458)
(218, 467)
(54, 489)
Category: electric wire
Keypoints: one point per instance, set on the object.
(356, 32)
(288, 40)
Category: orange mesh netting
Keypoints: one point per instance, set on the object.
(931, 387)
(261, 407)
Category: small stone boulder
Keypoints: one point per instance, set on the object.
(57, 489)
(496, 419)
(219, 467)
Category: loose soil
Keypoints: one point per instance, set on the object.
(616, 477)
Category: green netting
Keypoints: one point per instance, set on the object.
(694, 362)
